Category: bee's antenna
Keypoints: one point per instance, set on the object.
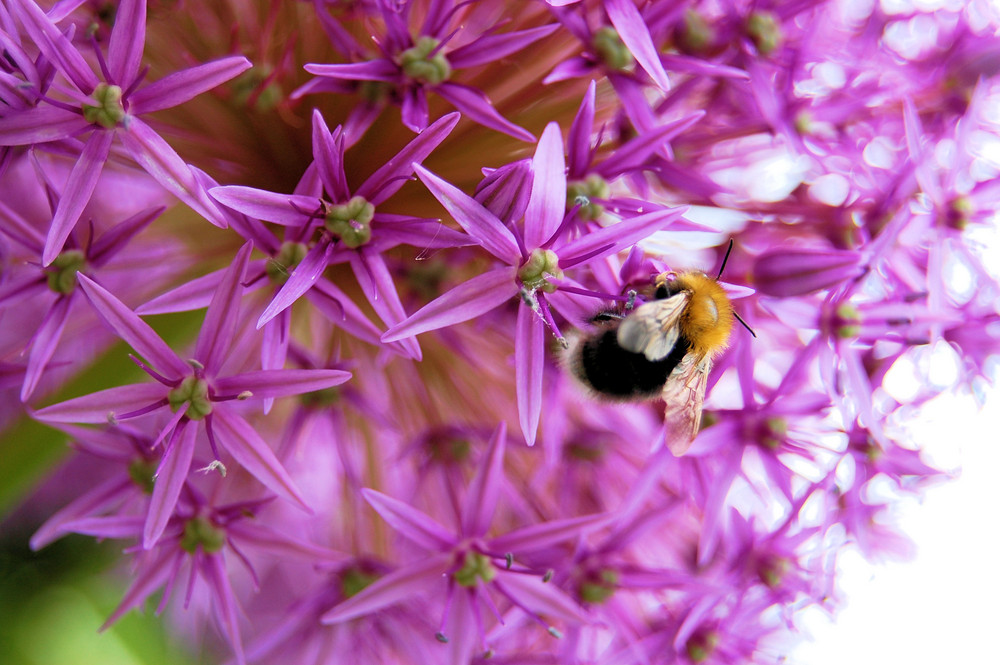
(725, 260)
(744, 322)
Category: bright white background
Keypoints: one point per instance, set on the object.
(943, 607)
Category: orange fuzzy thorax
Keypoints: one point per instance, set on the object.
(708, 319)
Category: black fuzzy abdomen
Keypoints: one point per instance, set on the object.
(620, 374)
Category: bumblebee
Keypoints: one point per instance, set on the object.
(663, 348)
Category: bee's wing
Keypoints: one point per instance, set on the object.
(684, 393)
(652, 329)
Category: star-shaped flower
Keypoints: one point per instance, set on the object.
(195, 391)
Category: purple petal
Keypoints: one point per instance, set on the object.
(505, 191)
(98, 407)
(328, 153)
(128, 36)
(373, 70)
(302, 278)
(925, 172)
(55, 46)
(44, 343)
(179, 87)
(216, 335)
(79, 187)
(410, 522)
(115, 239)
(466, 301)
(40, 125)
(611, 239)
(96, 499)
(477, 221)
(484, 490)
(252, 453)
(341, 310)
(491, 48)
(373, 274)
(580, 133)
(461, 629)
(547, 203)
(539, 536)
(476, 106)
(159, 160)
(224, 604)
(423, 233)
(112, 526)
(280, 382)
(694, 65)
(284, 209)
(169, 481)
(273, 541)
(542, 597)
(395, 587)
(635, 35)
(634, 153)
(801, 270)
(149, 578)
(134, 330)
(387, 180)
(571, 68)
(20, 230)
(196, 294)
(414, 109)
(529, 363)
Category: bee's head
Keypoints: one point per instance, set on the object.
(671, 283)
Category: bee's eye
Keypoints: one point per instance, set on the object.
(667, 289)
(666, 286)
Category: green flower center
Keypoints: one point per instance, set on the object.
(701, 645)
(351, 221)
(107, 110)
(849, 325)
(451, 450)
(764, 30)
(772, 570)
(583, 452)
(697, 35)
(476, 566)
(278, 268)
(612, 50)
(62, 272)
(959, 213)
(257, 89)
(418, 63)
(192, 391)
(354, 580)
(373, 92)
(320, 399)
(542, 264)
(200, 532)
(582, 191)
(141, 472)
(598, 588)
(774, 432)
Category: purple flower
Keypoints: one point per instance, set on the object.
(108, 108)
(536, 255)
(199, 537)
(59, 278)
(195, 390)
(349, 226)
(410, 65)
(473, 566)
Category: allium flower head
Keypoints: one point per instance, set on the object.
(463, 498)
